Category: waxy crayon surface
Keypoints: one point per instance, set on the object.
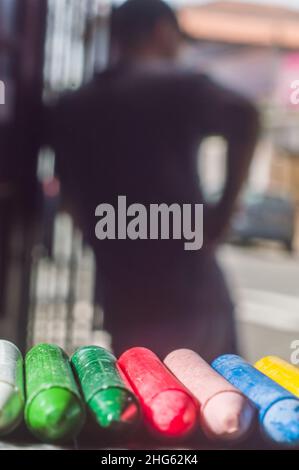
(278, 408)
(12, 398)
(225, 413)
(110, 399)
(54, 410)
(280, 371)
(169, 409)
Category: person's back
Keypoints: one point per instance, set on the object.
(134, 132)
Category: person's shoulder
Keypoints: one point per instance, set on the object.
(74, 101)
(168, 80)
(158, 73)
(173, 72)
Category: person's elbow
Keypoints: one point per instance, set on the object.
(248, 122)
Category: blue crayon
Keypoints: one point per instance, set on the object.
(278, 408)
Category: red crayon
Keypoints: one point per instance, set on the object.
(169, 409)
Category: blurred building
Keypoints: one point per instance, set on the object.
(254, 49)
(242, 23)
(46, 47)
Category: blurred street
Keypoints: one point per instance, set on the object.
(264, 279)
(263, 268)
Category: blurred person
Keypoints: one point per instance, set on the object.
(135, 130)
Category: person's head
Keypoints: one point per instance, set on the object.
(145, 28)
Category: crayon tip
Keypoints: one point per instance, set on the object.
(11, 405)
(228, 416)
(54, 414)
(281, 422)
(173, 413)
(6, 391)
(115, 408)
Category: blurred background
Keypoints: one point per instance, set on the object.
(47, 273)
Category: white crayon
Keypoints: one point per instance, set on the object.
(11, 387)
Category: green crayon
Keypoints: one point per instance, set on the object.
(54, 411)
(112, 403)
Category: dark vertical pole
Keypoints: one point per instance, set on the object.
(32, 16)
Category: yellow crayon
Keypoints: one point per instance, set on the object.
(281, 372)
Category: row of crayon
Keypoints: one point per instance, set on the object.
(172, 398)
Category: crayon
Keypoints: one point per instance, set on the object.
(278, 408)
(169, 408)
(108, 395)
(12, 398)
(54, 410)
(225, 413)
(280, 371)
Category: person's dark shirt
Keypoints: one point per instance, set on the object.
(135, 131)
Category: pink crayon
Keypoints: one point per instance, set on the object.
(225, 413)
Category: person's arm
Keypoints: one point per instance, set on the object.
(220, 111)
(64, 133)
(64, 129)
(57, 127)
(241, 134)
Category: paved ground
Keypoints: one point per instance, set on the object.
(265, 282)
